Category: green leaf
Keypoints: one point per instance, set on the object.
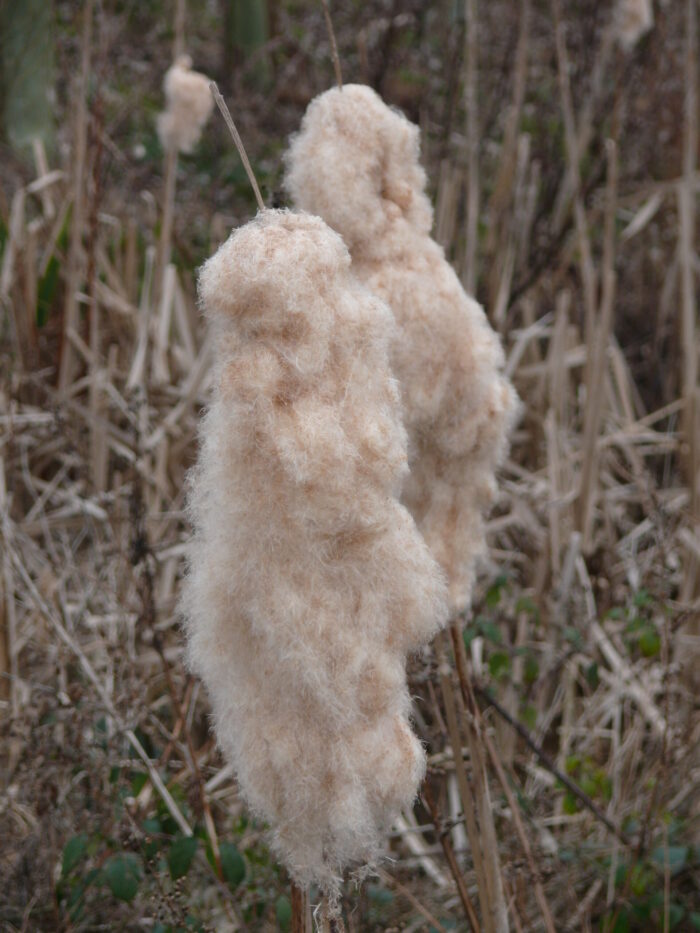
(592, 676)
(499, 664)
(695, 921)
(570, 804)
(122, 874)
(649, 642)
(73, 852)
(677, 857)
(182, 851)
(532, 670)
(232, 864)
(46, 291)
(283, 912)
(489, 630)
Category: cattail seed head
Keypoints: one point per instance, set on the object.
(355, 162)
(308, 581)
(188, 105)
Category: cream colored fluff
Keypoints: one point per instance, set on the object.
(308, 581)
(188, 106)
(355, 162)
(634, 18)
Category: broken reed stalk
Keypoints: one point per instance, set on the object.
(70, 314)
(597, 351)
(472, 107)
(221, 104)
(334, 46)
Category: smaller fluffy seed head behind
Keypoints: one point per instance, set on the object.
(355, 162)
(188, 106)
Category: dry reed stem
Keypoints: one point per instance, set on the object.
(506, 168)
(390, 881)
(221, 104)
(70, 314)
(686, 206)
(522, 835)
(334, 45)
(597, 369)
(300, 909)
(469, 277)
(70, 642)
(443, 834)
(468, 803)
(573, 157)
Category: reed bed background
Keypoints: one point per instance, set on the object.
(561, 716)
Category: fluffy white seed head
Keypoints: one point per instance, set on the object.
(355, 162)
(634, 18)
(308, 581)
(188, 105)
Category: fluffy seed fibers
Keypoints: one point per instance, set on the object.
(308, 581)
(355, 162)
(188, 106)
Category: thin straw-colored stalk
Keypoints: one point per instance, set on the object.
(522, 835)
(468, 803)
(221, 104)
(180, 14)
(573, 156)
(71, 643)
(686, 206)
(443, 834)
(300, 910)
(473, 726)
(166, 225)
(506, 167)
(597, 369)
(334, 45)
(472, 108)
(70, 314)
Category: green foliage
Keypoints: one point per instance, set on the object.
(232, 864)
(122, 874)
(283, 913)
(180, 856)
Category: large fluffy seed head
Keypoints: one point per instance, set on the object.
(634, 18)
(308, 582)
(355, 162)
(188, 106)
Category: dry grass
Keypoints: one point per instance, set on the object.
(585, 627)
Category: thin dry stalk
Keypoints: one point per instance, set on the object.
(392, 882)
(166, 228)
(597, 369)
(334, 46)
(221, 104)
(474, 729)
(573, 160)
(300, 909)
(522, 835)
(506, 167)
(468, 804)
(686, 207)
(472, 107)
(70, 642)
(70, 315)
(443, 833)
